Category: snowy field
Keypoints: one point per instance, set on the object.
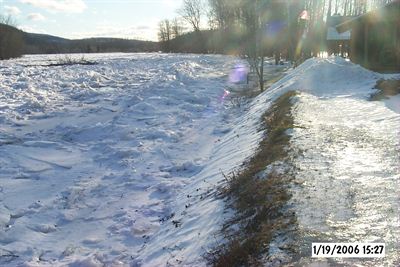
(118, 163)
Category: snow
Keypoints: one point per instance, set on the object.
(117, 162)
(347, 190)
(393, 103)
(120, 162)
(345, 151)
(333, 34)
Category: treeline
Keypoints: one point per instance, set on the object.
(15, 43)
(231, 22)
(11, 40)
(255, 29)
(46, 44)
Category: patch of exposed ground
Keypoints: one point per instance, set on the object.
(386, 89)
(258, 194)
(251, 89)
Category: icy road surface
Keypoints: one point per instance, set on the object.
(345, 152)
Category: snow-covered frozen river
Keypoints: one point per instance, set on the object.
(117, 162)
(93, 158)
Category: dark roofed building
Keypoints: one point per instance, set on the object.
(375, 38)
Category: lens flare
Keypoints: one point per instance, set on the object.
(274, 28)
(223, 97)
(238, 74)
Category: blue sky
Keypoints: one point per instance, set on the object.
(134, 19)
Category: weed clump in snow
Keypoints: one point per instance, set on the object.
(68, 61)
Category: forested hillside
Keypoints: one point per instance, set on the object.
(11, 42)
(14, 43)
(47, 44)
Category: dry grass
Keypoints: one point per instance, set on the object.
(68, 61)
(386, 88)
(258, 203)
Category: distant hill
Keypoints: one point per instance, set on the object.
(48, 44)
(206, 41)
(14, 42)
(37, 38)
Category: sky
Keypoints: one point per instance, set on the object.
(76, 19)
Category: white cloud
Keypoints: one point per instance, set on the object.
(68, 6)
(31, 29)
(35, 17)
(172, 3)
(12, 10)
(143, 27)
(135, 32)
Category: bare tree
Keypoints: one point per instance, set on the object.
(7, 20)
(164, 30)
(176, 28)
(165, 34)
(227, 13)
(217, 13)
(191, 12)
